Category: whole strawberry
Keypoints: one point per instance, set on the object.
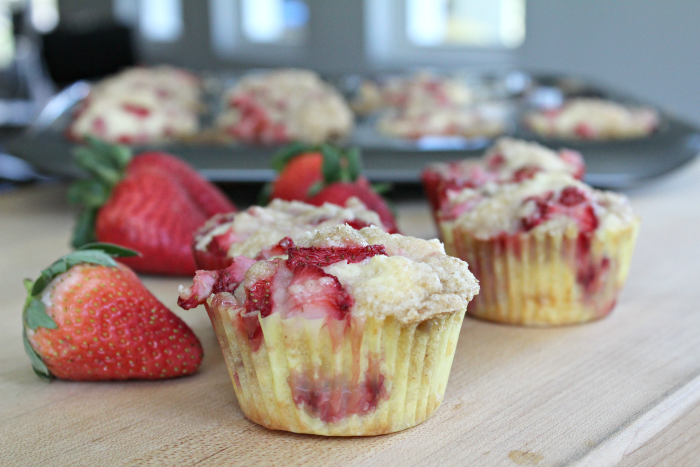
(325, 174)
(152, 203)
(89, 318)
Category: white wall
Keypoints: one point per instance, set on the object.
(650, 48)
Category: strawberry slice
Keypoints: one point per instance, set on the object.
(88, 318)
(153, 203)
(322, 257)
(206, 283)
(315, 294)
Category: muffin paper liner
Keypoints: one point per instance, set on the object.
(355, 377)
(542, 278)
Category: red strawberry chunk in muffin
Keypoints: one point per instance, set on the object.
(315, 294)
(571, 202)
(326, 256)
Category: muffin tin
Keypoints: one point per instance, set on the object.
(611, 164)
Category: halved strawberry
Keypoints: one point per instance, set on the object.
(89, 318)
(153, 203)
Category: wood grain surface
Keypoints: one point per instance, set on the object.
(625, 390)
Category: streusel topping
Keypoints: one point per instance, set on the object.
(258, 227)
(413, 282)
(587, 118)
(551, 202)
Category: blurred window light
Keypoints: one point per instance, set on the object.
(7, 40)
(44, 15)
(161, 20)
(126, 11)
(274, 21)
(471, 23)
(223, 22)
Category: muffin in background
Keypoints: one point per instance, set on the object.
(279, 106)
(549, 250)
(507, 161)
(352, 333)
(593, 119)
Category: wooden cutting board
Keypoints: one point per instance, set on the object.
(625, 389)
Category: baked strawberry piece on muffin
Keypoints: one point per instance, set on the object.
(549, 250)
(257, 231)
(593, 119)
(508, 160)
(351, 333)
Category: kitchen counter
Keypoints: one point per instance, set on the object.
(624, 390)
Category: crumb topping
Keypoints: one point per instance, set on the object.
(414, 281)
(587, 118)
(285, 105)
(507, 156)
(258, 227)
(408, 278)
(551, 202)
(140, 105)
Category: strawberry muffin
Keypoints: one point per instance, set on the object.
(140, 106)
(422, 89)
(593, 119)
(262, 232)
(280, 106)
(549, 250)
(350, 333)
(507, 161)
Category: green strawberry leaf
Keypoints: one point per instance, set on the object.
(117, 155)
(84, 231)
(116, 251)
(331, 164)
(66, 262)
(265, 194)
(35, 315)
(97, 165)
(89, 193)
(315, 188)
(280, 159)
(28, 284)
(382, 188)
(37, 363)
(353, 159)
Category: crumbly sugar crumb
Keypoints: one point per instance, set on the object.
(496, 209)
(415, 282)
(260, 227)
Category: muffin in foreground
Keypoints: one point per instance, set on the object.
(351, 333)
(548, 251)
(257, 231)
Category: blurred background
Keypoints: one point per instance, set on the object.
(648, 48)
